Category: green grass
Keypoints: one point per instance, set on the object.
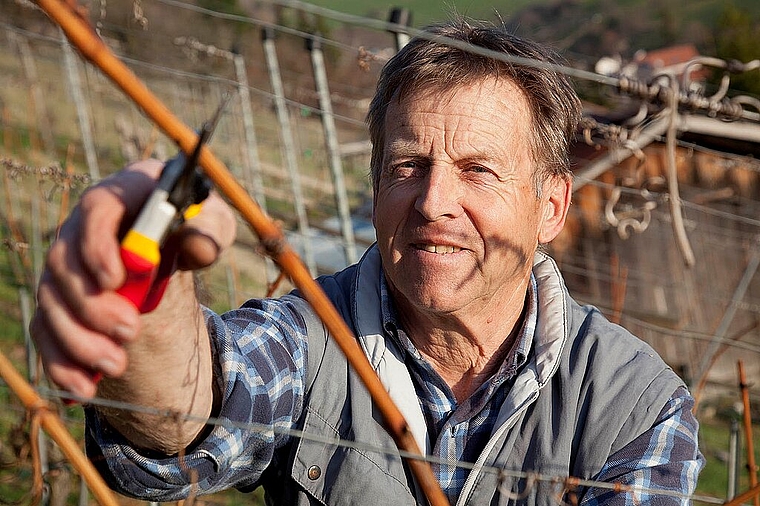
(10, 314)
(714, 443)
(714, 477)
(424, 11)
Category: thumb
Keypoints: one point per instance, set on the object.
(202, 238)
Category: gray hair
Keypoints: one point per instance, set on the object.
(429, 64)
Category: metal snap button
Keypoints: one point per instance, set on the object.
(314, 473)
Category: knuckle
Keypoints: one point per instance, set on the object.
(37, 327)
(57, 267)
(89, 198)
(44, 300)
(150, 166)
(88, 313)
(56, 255)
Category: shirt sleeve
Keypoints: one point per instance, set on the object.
(259, 358)
(658, 467)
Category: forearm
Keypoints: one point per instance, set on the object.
(169, 371)
(85, 329)
(659, 467)
(260, 355)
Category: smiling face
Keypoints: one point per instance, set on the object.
(456, 210)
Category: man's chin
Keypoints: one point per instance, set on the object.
(436, 299)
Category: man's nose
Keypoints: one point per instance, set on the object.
(440, 194)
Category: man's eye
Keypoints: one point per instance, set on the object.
(406, 168)
(479, 169)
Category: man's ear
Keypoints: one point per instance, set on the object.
(557, 193)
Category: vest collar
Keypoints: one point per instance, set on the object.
(552, 330)
(386, 358)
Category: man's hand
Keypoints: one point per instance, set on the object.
(82, 325)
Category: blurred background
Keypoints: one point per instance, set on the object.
(663, 235)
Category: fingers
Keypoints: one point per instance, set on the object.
(77, 344)
(73, 355)
(104, 211)
(67, 282)
(81, 324)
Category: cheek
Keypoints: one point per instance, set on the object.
(392, 201)
(385, 211)
(506, 220)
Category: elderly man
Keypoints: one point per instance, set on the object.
(500, 374)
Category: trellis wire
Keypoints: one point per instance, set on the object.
(266, 432)
(705, 209)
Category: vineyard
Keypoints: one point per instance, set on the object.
(663, 235)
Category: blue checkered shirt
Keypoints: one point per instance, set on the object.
(663, 458)
(260, 350)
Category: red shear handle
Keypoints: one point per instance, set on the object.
(141, 258)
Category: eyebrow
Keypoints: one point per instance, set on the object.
(482, 157)
(402, 147)
(405, 148)
(410, 148)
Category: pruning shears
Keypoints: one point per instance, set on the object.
(179, 195)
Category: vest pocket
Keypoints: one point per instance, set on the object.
(337, 474)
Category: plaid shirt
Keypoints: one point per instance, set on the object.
(261, 349)
(663, 458)
(459, 431)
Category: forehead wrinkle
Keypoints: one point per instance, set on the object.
(470, 131)
(451, 138)
(480, 134)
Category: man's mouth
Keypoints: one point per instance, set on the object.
(441, 249)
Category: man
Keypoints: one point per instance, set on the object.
(469, 327)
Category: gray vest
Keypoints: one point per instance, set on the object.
(588, 389)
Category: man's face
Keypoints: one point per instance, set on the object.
(456, 210)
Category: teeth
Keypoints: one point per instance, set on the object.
(439, 248)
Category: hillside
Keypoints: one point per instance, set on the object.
(584, 29)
